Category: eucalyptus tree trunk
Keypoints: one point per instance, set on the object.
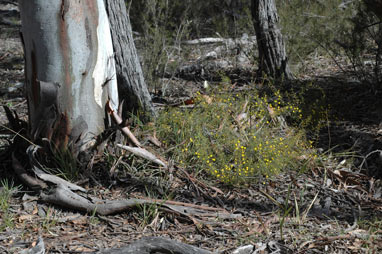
(272, 56)
(131, 84)
(69, 69)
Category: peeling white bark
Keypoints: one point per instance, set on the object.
(131, 84)
(68, 44)
(105, 65)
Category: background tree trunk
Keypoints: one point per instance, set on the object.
(272, 56)
(131, 84)
(374, 6)
(69, 69)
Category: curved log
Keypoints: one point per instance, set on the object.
(158, 245)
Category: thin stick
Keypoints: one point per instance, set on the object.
(125, 130)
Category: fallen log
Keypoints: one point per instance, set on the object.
(158, 245)
(204, 41)
(146, 245)
(64, 197)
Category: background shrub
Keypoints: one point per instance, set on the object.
(235, 138)
(311, 28)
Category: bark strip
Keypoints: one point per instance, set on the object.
(131, 84)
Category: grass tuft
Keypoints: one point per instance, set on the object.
(7, 189)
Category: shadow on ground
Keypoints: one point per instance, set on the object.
(354, 120)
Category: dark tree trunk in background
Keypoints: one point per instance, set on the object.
(272, 56)
(374, 6)
(69, 70)
(131, 84)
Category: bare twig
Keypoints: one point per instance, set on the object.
(369, 154)
(309, 207)
(125, 130)
(141, 152)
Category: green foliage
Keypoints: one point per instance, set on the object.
(66, 164)
(93, 219)
(309, 25)
(7, 221)
(372, 225)
(372, 228)
(50, 220)
(227, 18)
(148, 212)
(333, 28)
(311, 28)
(285, 210)
(162, 25)
(312, 102)
(362, 43)
(236, 137)
(7, 189)
(5, 194)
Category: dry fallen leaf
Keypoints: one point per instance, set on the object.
(27, 217)
(207, 98)
(271, 111)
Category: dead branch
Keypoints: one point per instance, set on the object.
(56, 180)
(63, 196)
(39, 248)
(144, 154)
(148, 245)
(204, 41)
(32, 182)
(125, 130)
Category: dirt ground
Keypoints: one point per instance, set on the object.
(335, 209)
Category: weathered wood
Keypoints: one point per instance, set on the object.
(146, 245)
(32, 182)
(63, 196)
(141, 152)
(39, 248)
(131, 84)
(203, 41)
(272, 56)
(125, 130)
(69, 69)
(52, 179)
(156, 245)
